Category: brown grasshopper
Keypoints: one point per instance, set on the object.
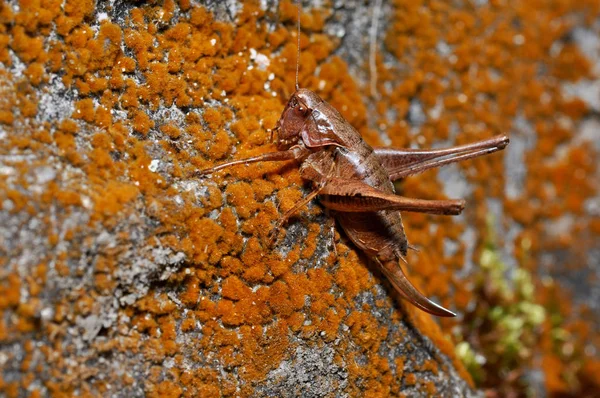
(355, 182)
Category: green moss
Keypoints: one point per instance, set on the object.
(472, 360)
(506, 321)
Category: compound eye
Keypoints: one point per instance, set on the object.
(301, 109)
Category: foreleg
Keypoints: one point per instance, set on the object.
(294, 153)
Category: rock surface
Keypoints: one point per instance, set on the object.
(124, 274)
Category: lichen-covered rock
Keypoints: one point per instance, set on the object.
(124, 274)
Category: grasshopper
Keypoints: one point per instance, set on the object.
(355, 181)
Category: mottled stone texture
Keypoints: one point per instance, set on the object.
(124, 274)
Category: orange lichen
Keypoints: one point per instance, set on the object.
(252, 303)
(142, 123)
(114, 196)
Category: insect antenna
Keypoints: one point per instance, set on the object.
(373, 46)
(299, 5)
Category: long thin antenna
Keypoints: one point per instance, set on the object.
(373, 47)
(299, 5)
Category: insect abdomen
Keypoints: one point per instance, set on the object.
(379, 233)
